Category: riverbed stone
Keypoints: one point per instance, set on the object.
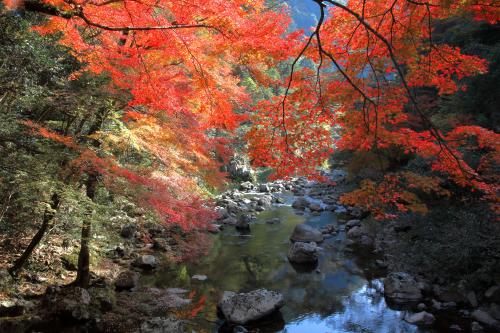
(401, 288)
(264, 188)
(303, 253)
(486, 319)
(475, 327)
(265, 201)
(472, 299)
(241, 308)
(306, 233)
(315, 207)
(300, 203)
(420, 318)
(493, 294)
(244, 222)
(352, 223)
(354, 232)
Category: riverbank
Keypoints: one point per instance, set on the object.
(139, 287)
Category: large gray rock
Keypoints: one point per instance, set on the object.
(420, 319)
(145, 261)
(69, 302)
(163, 325)
(300, 203)
(306, 233)
(401, 288)
(241, 308)
(303, 253)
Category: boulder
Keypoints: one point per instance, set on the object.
(472, 299)
(162, 325)
(241, 308)
(126, 280)
(69, 302)
(495, 311)
(303, 253)
(244, 222)
(486, 319)
(420, 319)
(11, 308)
(264, 201)
(300, 203)
(493, 294)
(401, 288)
(306, 233)
(456, 328)
(264, 188)
(230, 221)
(353, 223)
(354, 232)
(315, 207)
(246, 186)
(475, 327)
(145, 261)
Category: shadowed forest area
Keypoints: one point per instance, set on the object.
(249, 166)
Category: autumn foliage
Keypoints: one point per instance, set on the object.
(359, 76)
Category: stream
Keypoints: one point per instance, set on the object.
(336, 296)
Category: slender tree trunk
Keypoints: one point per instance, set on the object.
(83, 272)
(47, 218)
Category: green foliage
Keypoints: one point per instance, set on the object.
(479, 103)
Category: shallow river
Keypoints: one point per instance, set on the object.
(337, 296)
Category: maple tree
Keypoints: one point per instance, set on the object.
(178, 61)
(370, 58)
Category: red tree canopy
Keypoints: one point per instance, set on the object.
(179, 62)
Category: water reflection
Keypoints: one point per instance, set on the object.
(332, 297)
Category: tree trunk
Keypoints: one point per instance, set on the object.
(83, 272)
(47, 218)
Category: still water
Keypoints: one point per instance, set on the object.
(335, 297)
